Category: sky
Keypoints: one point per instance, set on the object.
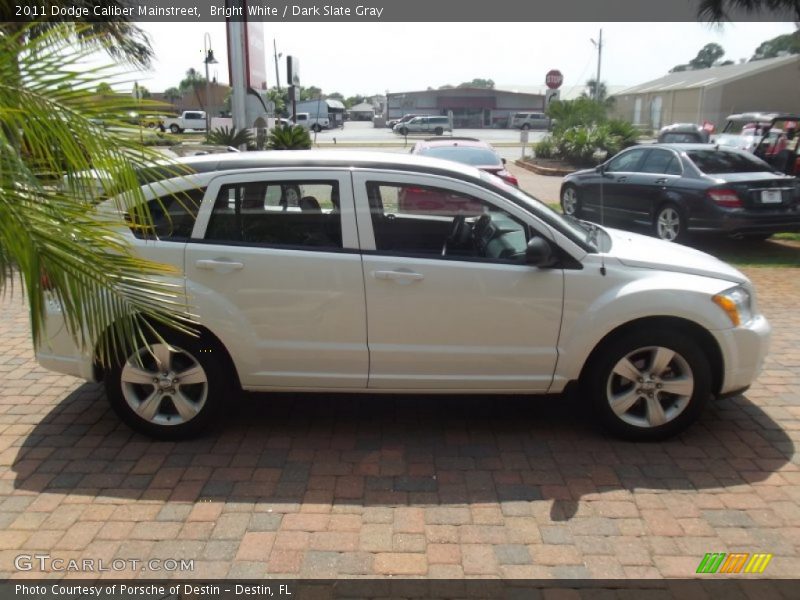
(371, 58)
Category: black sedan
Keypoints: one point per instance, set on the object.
(678, 189)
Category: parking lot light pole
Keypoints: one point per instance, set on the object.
(208, 59)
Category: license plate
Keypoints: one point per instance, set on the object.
(771, 197)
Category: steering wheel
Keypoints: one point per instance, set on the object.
(459, 235)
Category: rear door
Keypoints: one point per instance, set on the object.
(282, 285)
(659, 172)
(450, 303)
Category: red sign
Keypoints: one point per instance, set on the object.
(554, 79)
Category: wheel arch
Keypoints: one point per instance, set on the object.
(707, 343)
(204, 335)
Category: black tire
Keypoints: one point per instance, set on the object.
(175, 129)
(438, 131)
(201, 402)
(525, 126)
(570, 201)
(403, 131)
(682, 367)
(669, 223)
(316, 128)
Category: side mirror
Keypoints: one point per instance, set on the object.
(601, 169)
(539, 253)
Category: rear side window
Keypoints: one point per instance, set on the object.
(173, 216)
(661, 161)
(302, 214)
(715, 161)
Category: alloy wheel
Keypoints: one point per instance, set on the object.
(569, 201)
(668, 224)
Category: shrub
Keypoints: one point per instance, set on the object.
(224, 136)
(289, 137)
(544, 148)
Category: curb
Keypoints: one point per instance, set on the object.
(539, 170)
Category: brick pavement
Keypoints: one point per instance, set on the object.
(318, 486)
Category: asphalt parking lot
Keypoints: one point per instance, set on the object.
(324, 486)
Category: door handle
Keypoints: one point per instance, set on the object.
(219, 265)
(660, 180)
(398, 276)
(622, 180)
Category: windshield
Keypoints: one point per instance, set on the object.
(713, 162)
(464, 154)
(581, 231)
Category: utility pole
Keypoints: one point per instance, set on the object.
(599, 45)
(277, 73)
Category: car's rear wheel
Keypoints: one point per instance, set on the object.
(570, 203)
(648, 384)
(403, 131)
(669, 223)
(316, 128)
(174, 128)
(525, 126)
(170, 390)
(438, 131)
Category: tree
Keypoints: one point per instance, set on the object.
(717, 10)
(280, 98)
(51, 236)
(599, 93)
(119, 37)
(104, 89)
(478, 83)
(172, 94)
(310, 93)
(788, 43)
(706, 57)
(353, 100)
(193, 82)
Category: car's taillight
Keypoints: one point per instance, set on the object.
(509, 178)
(725, 198)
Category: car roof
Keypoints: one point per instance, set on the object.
(761, 116)
(274, 159)
(686, 146)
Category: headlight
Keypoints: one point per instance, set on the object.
(736, 303)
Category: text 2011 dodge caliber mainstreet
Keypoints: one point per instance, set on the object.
(367, 272)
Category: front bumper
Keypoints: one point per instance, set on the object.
(743, 352)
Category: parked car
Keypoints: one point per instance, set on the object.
(426, 124)
(683, 133)
(678, 189)
(392, 122)
(315, 124)
(530, 120)
(189, 119)
(469, 151)
(504, 296)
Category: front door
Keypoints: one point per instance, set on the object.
(274, 264)
(451, 305)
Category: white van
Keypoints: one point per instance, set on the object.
(530, 120)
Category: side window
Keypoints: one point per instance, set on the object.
(626, 162)
(172, 216)
(278, 213)
(661, 161)
(440, 223)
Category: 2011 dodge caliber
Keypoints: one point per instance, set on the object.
(308, 271)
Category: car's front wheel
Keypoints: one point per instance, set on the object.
(170, 390)
(174, 128)
(648, 384)
(669, 224)
(570, 203)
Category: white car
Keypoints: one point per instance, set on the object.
(481, 290)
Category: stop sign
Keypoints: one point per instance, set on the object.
(554, 79)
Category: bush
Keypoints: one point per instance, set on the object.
(544, 148)
(224, 136)
(289, 137)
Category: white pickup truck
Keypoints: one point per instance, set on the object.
(313, 123)
(189, 119)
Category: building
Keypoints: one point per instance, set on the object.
(332, 109)
(712, 94)
(472, 108)
(361, 112)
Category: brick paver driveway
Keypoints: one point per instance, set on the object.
(439, 487)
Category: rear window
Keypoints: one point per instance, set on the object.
(715, 161)
(464, 154)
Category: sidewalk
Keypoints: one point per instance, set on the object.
(341, 486)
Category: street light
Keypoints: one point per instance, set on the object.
(208, 60)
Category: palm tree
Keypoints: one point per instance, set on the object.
(172, 94)
(717, 10)
(51, 236)
(119, 37)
